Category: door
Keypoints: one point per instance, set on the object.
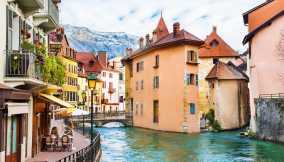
(14, 140)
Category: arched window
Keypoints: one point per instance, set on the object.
(214, 43)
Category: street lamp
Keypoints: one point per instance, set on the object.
(93, 83)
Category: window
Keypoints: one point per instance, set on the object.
(192, 108)
(136, 109)
(137, 84)
(140, 66)
(191, 57)
(157, 61)
(156, 111)
(141, 109)
(187, 79)
(120, 76)
(214, 43)
(110, 85)
(142, 85)
(156, 82)
(215, 60)
(110, 75)
(137, 67)
(104, 84)
(104, 74)
(192, 79)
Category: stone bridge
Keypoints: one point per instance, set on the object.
(101, 119)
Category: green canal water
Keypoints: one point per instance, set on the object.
(140, 145)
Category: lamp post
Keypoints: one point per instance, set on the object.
(93, 83)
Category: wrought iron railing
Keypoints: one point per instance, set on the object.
(22, 64)
(89, 154)
(275, 95)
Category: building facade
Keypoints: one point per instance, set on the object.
(162, 81)
(215, 48)
(106, 99)
(67, 56)
(228, 95)
(24, 41)
(121, 81)
(265, 40)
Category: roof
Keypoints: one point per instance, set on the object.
(223, 71)
(250, 35)
(245, 15)
(161, 29)
(91, 63)
(221, 50)
(182, 37)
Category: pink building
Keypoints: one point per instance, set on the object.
(266, 50)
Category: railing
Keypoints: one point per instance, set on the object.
(107, 115)
(22, 64)
(89, 154)
(53, 11)
(276, 95)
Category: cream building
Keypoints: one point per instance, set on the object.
(214, 49)
(229, 95)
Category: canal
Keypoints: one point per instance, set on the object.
(139, 145)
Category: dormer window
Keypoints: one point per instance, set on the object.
(91, 62)
(214, 43)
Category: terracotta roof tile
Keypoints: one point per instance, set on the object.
(221, 50)
(223, 71)
(91, 63)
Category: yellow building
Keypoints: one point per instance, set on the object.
(68, 58)
(214, 49)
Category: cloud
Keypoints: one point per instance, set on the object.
(140, 17)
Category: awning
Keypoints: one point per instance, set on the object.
(55, 100)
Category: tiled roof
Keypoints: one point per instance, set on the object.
(182, 37)
(161, 29)
(91, 63)
(223, 71)
(221, 50)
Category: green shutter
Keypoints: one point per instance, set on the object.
(196, 79)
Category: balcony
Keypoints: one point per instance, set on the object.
(22, 69)
(48, 17)
(29, 6)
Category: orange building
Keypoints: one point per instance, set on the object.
(214, 49)
(162, 81)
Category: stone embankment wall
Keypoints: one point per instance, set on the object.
(270, 119)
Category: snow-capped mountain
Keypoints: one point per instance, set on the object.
(86, 40)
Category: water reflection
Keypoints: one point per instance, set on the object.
(135, 145)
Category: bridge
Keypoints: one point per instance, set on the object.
(101, 118)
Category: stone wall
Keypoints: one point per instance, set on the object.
(270, 119)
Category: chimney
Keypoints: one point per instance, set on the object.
(154, 36)
(102, 56)
(141, 42)
(129, 51)
(176, 28)
(147, 40)
(215, 29)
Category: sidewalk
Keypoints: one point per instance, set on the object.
(80, 142)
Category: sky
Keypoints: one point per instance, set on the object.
(139, 17)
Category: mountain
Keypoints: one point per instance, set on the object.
(86, 40)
